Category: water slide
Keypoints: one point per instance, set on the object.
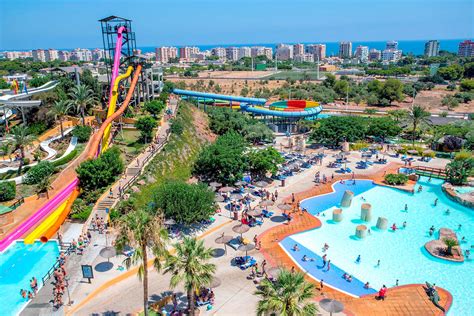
(287, 109)
(112, 106)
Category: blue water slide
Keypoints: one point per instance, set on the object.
(264, 111)
(197, 94)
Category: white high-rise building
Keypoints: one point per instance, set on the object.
(375, 54)
(432, 48)
(164, 54)
(391, 45)
(318, 51)
(345, 49)
(362, 53)
(306, 57)
(391, 55)
(219, 52)
(257, 51)
(284, 52)
(18, 55)
(51, 54)
(298, 49)
(232, 53)
(245, 52)
(39, 55)
(98, 54)
(81, 54)
(64, 55)
(268, 51)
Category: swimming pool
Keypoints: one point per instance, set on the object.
(464, 190)
(18, 264)
(402, 254)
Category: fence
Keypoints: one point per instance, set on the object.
(429, 171)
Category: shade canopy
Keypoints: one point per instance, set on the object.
(266, 203)
(108, 252)
(240, 183)
(331, 306)
(246, 247)
(240, 229)
(170, 222)
(255, 212)
(261, 184)
(412, 151)
(236, 196)
(284, 207)
(223, 239)
(226, 189)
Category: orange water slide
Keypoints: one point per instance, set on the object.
(93, 149)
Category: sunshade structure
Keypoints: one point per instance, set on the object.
(236, 196)
(219, 198)
(246, 248)
(108, 252)
(331, 306)
(223, 239)
(215, 184)
(255, 212)
(226, 189)
(284, 207)
(240, 183)
(266, 203)
(169, 222)
(261, 184)
(240, 229)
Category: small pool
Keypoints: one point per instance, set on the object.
(18, 264)
(464, 190)
(402, 254)
(406, 170)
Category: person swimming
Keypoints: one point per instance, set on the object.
(358, 259)
(366, 285)
(448, 212)
(394, 227)
(406, 207)
(296, 248)
(404, 224)
(435, 202)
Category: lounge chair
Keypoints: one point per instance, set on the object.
(234, 243)
(248, 264)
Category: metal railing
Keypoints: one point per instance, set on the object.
(51, 270)
(18, 202)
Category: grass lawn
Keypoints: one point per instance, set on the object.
(295, 75)
(128, 142)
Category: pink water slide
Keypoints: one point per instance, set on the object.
(52, 204)
(38, 216)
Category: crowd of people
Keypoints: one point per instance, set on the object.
(29, 294)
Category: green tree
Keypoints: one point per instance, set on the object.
(383, 127)
(398, 115)
(83, 97)
(143, 232)
(36, 174)
(341, 88)
(469, 70)
(21, 140)
(44, 186)
(335, 129)
(450, 243)
(154, 107)
(330, 80)
(289, 295)
(222, 161)
(374, 86)
(100, 172)
(7, 190)
(183, 202)
(451, 73)
(244, 92)
(6, 148)
(263, 161)
(417, 116)
(146, 125)
(392, 90)
(58, 111)
(450, 101)
(223, 120)
(257, 132)
(190, 266)
(458, 170)
(467, 85)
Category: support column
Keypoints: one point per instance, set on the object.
(382, 223)
(361, 231)
(337, 215)
(347, 198)
(366, 212)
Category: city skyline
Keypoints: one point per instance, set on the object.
(301, 22)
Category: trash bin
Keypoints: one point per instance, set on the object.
(282, 182)
(236, 216)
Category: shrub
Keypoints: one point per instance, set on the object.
(467, 85)
(65, 159)
(83, 133)
(39, 172)
(177, 127)
(7, 191)
(37, 128)
(99, 173)
(83, 214)
(359, 145)
(463, 155)
(396, 178)
(26, 161)
(154, 107)
(145, 125)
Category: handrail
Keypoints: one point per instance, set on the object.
(18, 202)
(50, 272)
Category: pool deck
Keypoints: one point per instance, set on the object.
(403, 300)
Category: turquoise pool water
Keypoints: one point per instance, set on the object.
(18, 264)
(402, 255)
(462, 190)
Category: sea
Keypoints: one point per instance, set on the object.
(415, 47)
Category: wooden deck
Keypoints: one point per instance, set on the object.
(402, 300)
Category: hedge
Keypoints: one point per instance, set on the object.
(396, 178)
(37, 173)
(7, 191)
(65, 159)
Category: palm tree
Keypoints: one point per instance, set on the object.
(190, 265)
(141, 230)
(44, 186)
(288, 296)
(417, 116)
(83, 97)
(58, 111)
(21, 140)
(450, 243)
(6, 149)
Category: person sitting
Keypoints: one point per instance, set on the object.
(366, 285)
(349, 278)
(296, 248)
(304, 258)
(345, 276)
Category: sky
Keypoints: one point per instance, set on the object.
(27, 24)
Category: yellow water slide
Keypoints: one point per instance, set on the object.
(113, 105)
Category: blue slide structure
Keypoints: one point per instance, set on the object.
(285, 109)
